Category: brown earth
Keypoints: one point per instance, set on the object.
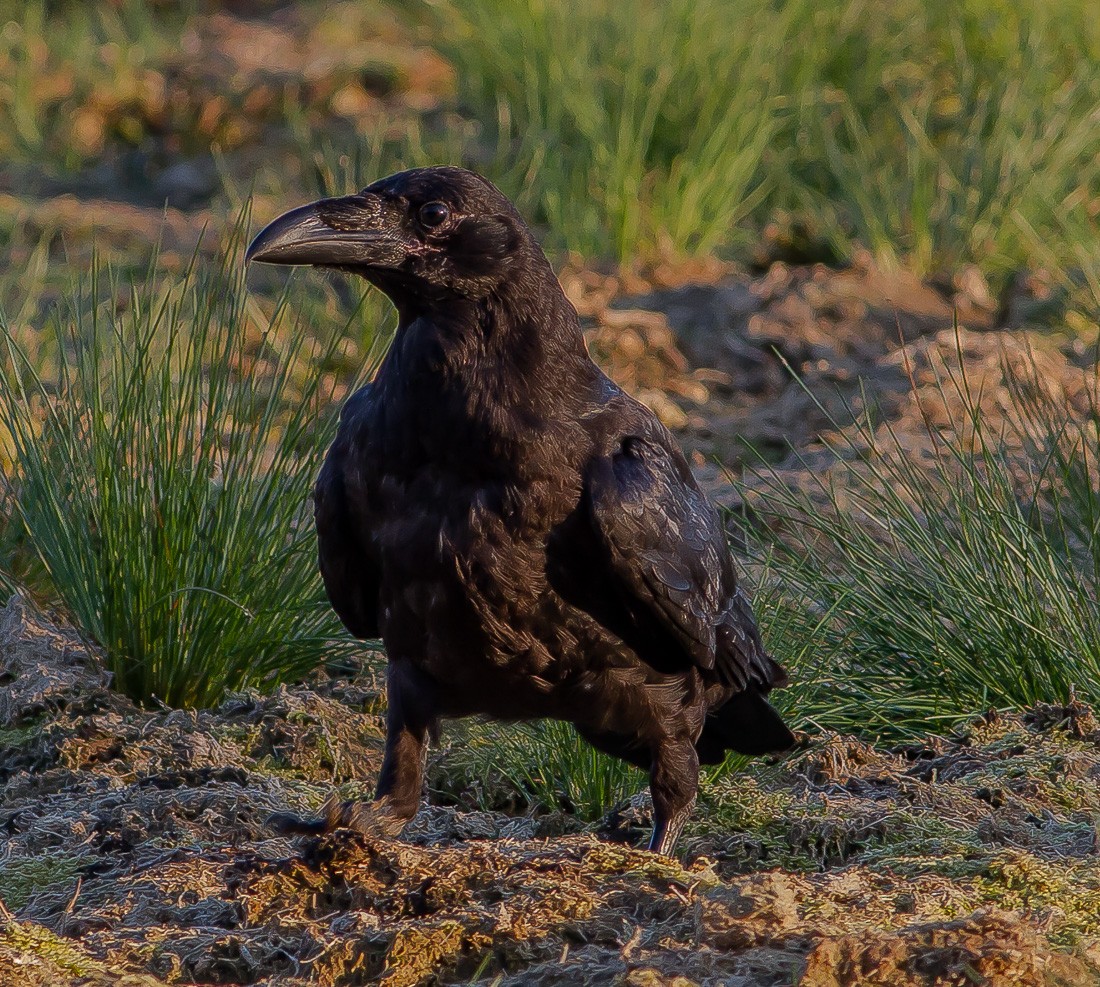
(778, 364)
(135, 851)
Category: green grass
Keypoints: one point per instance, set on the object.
(161, 482)
(545, 763)
(934, 137)
(641, 126)
(947, 578)
(942, 136)
(22, 878)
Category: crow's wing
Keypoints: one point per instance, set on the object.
(350, 574)
(670, 561)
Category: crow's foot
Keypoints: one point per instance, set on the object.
(378, 819)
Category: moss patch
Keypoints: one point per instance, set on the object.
(20, 878)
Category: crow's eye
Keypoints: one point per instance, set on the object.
(434, 213)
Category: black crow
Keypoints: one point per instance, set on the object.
(526, 539)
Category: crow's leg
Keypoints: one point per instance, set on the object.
(673, 783)
(410, 722)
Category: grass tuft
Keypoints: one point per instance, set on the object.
(162, 483)
(543, 763)
(642, 126)
(949, 571)
(933, 138)
(944, 137)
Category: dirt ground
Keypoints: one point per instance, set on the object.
(741, 365)
(134, 850)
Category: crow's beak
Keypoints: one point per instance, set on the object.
(345, 232)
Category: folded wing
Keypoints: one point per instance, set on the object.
(669, 560)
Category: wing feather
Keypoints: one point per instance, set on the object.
(669, 558)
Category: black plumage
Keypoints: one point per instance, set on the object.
(526, 539)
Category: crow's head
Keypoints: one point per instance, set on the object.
(422, 236)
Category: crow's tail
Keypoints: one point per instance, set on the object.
(746, 723)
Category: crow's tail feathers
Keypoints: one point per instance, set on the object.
(748, 724)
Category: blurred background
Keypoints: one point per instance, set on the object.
(639, 133)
